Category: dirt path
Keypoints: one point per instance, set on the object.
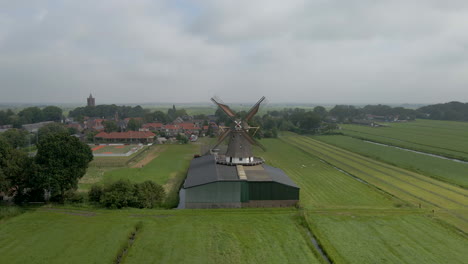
(153, 153)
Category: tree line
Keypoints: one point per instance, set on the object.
(30, 115)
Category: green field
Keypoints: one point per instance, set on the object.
(175, 158)
(323, 186)
(445, 170)
(388, 237)
(450, 201)
(112, 149)
(445, 138)
(63, 235)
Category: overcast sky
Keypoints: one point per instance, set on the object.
(307, 51)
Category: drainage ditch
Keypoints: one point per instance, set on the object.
(131, 239)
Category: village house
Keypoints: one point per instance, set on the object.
(126, 137)
(153, 127)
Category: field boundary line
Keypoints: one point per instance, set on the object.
(449, 186)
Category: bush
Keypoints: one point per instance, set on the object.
(95, 193)
(74, 197)
(119, 194)
(149, 194)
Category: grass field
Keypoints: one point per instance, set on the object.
(450, 201)
(112, 149)
(62, 235)
(387, 237)
(323, 186)
(445, 170)
(445, 138)
(175, 158)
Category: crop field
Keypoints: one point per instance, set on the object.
(449, 201)
(63, 235)
(388, 237)
(112, 149)
(442, 169)
(323, 186)
(438, 137)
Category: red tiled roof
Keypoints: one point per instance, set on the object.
(154, 125)
(125, 135)
(188, 126)
(205, 127)
(172, 127)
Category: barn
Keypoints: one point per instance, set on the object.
(212, 184)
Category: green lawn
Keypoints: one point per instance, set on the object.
(446, 138)
(387, 238)
(232, 236)
(446, 170)
(174, 159)
(115, 149)
(64, 235)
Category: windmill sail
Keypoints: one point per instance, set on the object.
(239, 149)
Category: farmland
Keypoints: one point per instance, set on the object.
(227, 236)
(438, 137)
(416, 189)
(323, 186)
(442, 169)
(387, 237)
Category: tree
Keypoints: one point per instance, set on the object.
(119, 194)
(52, 128)
(149, 194)
(320, 111)
(62, 161)
(110, 126)
(31, 115)
(16, 171)
(6, 117)
(52, 113)
(182, 138)
(133, 124)
(17, 138)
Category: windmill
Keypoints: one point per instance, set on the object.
(239, 149)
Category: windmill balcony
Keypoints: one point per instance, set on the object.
(232, 161)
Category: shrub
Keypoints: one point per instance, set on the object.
(119, 194)
(149, 194)
(74, 197)
(95, 193)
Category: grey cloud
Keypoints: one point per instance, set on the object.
(306, 51)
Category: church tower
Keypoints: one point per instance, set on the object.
(91, 100)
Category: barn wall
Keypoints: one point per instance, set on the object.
(216, 192)
(272, 191)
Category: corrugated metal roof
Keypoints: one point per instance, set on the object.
(204, 170)
(278, 175)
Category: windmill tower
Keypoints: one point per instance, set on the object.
(239, 151)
